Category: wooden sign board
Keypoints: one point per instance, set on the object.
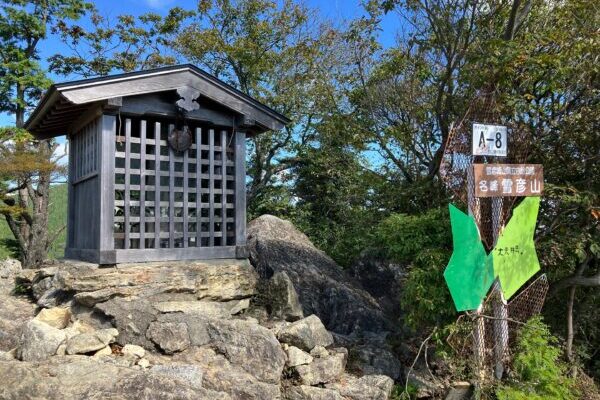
(489, 140)
(502, 180)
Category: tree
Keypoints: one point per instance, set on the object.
(277, 53)
(26, 166)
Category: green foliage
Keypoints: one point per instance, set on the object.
(57, 219)
(538, 374)
(424, 243)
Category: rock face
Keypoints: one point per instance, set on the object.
(324, 289)
(282, 298)
(382, 279)
(322, 370)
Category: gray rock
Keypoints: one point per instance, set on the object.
(15, 311)
(306, 334)
(368, 387)
(296, 357)
(282, 298)
(39, 341)
(323, 287)
(89, 378)
(131, 317)
(383, 279)
(424, 383)
(224, 376)
(304, 392)
(90, 342)
(322, 370)
(250, 346)
(171, 337)
(211, 309)
(191, 374)
(375, 360)
(56, 317)
(9, 268)
(319, 352)
(459, 391)
(133, 351)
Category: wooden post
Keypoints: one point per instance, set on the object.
(499, 304)
(240, 193)
(479, 325)
(107, 132)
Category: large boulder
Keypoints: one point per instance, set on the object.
(322, 370)
(243, 343)
(221, 375)
(306, 334)
(323, 287)
(83, 378)
(39, 341)
(91, 342)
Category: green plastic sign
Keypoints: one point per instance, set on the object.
(515, 259)
(470, 273)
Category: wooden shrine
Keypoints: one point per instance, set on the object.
(156, 163)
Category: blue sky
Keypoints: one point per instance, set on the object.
(336, 10)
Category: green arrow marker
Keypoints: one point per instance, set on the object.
(515, 259)
(469, 273)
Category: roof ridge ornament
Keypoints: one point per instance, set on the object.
(189, 97)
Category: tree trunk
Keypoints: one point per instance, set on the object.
(570, 330)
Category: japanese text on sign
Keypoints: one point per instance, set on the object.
(497, 180)
(489, 140)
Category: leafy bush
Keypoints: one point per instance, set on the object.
(538, 373)
(423, 243)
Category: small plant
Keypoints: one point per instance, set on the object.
(538, 374)
(400, 392)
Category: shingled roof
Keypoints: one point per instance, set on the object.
(65, 102)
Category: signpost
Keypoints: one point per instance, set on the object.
(501, 180)
(489, 140)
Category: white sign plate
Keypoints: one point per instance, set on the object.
(489, 140)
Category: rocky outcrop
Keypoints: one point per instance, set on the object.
(324, 289)
(81, 377)
(142, 326)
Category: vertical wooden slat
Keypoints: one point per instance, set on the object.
(107, 129)
(198, 187)
(127, 194)
(223, 188)
(171, 194)
(71, 194)
(157, 185)
(240, 188)
(142, 184)
(211, 183)
(185, 199)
